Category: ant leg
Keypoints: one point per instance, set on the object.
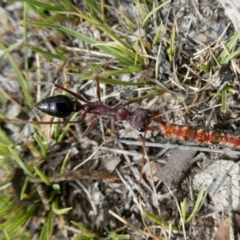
(97, 83)
(160, 120)
(71, 92)
(21, 121)
(143, 154)
(152, 128)
(89, 128)
(157, 117)
(66, 90)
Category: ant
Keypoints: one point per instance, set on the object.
(62, 106)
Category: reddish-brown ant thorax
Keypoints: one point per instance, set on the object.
(122, 113)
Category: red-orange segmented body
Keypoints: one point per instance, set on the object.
(187, 133)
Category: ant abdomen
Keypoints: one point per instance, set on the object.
(60, 106)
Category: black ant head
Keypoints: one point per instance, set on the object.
(140, 119)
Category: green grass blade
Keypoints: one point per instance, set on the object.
(67, 5)
(230, 56)
(43, 176)
(157, 35)
(49, 55)
(20, 162)
(119, 82)
(112, 50)
(41, 144)
(198, 203)
(57, 210)
(85, 230)
(159, 221)
(23, 194)
(224, 100)
(230, 45)
(183, 211)
(4, 138)
(93, 7)
(106, 29)
(205, 67)
(47, 229)
(7, 50)
(170, 50)
(65, 130)
(109, 80)
(23, 216)
(65, 161)
(6, 204)
(43, 5)
(25, 37)
(22, 81)
(152, 12)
